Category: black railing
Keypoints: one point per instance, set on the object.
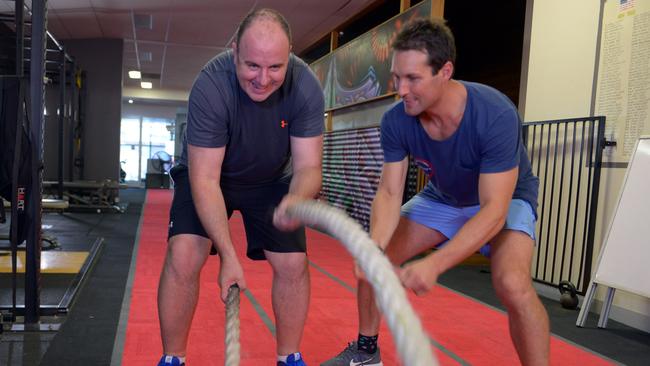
(566, 155)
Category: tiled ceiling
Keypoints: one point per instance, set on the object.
(184, 34)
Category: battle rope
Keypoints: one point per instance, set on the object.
(232, 327)
(411, 340)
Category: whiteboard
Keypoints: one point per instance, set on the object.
(623, 75)
(625, 255)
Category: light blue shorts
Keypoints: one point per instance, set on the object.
(449, 219)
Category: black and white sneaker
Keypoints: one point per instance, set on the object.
(351, 356)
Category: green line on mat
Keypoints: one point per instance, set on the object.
(260, 311)
(448, 352)
(334, 278)
(352, 289)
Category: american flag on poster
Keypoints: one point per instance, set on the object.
(626, 5)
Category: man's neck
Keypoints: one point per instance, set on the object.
(442, 119)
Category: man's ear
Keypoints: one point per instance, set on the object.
(234, 50)
(447, 70)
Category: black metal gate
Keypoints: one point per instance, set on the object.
(566, 155)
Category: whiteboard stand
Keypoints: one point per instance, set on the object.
(626, 247)
(586, 304)
(604, 312)
(607, 306)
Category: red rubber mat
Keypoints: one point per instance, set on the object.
(462, 330)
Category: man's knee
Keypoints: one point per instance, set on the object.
(411, 239)
(185, 257)
(514, 288)
(288, 266)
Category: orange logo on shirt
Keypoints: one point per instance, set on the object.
(283, 123)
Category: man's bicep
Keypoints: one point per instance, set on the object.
(306, 151)
(500, 144)
(497, 188)
(393, 176)
(307, 115)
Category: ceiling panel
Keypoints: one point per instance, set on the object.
(186, 34)
(160, 19)
(180, 70)
(156, 51)
(213, 26)
(79, 24)
(115, 24)
(69, 4)
(136, 5)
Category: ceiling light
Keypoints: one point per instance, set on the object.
(135, 74)
(130, 101)
(146, 84)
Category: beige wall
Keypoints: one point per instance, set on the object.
(562, 59)
(560, 84)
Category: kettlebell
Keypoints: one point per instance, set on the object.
(568, 295)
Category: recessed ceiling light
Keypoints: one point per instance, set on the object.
(146, 84)
(130, 101)
(135, 74)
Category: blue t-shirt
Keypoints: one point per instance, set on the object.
(255, 134)
(488, 140)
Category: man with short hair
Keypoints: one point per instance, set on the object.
(466, 137)
(253, 143)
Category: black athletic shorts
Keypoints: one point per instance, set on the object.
(256, 205)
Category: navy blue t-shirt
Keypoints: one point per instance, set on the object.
(256, 134)
(488, 140)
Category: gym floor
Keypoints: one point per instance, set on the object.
(113, 319)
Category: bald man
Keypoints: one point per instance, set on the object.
(253, 144)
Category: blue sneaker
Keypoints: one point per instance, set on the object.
(170, 361)
(294, 359)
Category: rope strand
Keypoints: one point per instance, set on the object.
(411, 340)
(232, 327)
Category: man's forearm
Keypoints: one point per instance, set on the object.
(306, 182)
(211, 208)
(384, 217)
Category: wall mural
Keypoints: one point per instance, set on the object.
(322, 70)
(352, 159)
(360, 70)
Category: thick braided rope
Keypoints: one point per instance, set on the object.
(232, 327)
(411, 340)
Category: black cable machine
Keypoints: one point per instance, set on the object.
(21, 172)
(25, 190)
